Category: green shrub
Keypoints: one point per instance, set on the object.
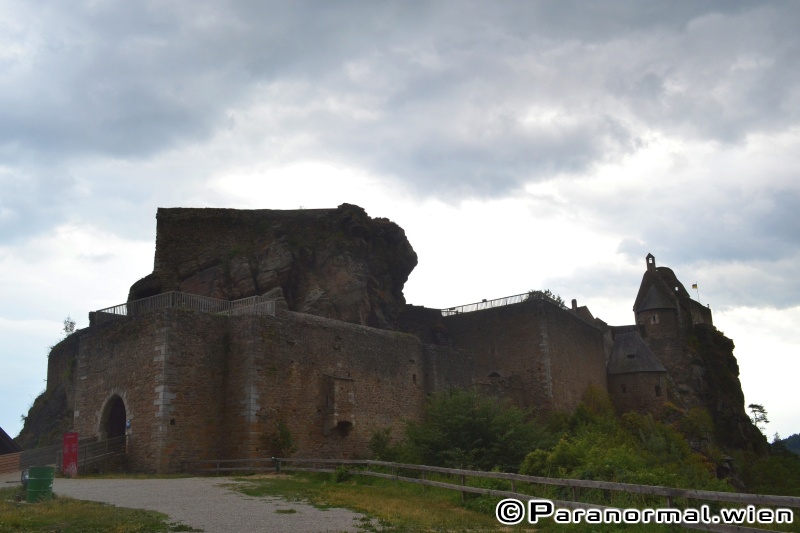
(463, 429)
(341, 474)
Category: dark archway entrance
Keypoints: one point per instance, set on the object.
(115, 425)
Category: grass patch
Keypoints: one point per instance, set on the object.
(403, 507)
(66, 515)
(286, 511)
(399, 507)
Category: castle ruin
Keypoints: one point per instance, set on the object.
(340, 355)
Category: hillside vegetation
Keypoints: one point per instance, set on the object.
(462, 429)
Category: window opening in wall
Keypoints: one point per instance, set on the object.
(624, 389)
(631, 356)
(676, 289)
(171, 421)
(658, 390)
(654, 319)
(414, 378)
(343, 428)
(496, 375)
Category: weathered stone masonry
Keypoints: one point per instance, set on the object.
(201, 386)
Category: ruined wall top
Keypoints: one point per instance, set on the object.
(338, 263)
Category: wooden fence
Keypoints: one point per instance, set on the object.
(10, 463)
(254, 305)
(219, 466)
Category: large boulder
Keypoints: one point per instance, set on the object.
(337, 263)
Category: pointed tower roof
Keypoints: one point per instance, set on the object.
(631, 354)
(655, 299)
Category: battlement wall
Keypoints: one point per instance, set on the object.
(197, 385)
(536, 353)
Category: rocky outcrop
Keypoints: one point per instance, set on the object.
(336, 263)
(711, 378)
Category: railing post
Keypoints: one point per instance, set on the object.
(424, 479)
(218, 472)
(105, 458)
(463, 482)
(513, 486)
(574, 494)
(670, 503)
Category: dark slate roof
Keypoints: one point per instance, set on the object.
(655, 299)
(631, 344)
(7, 444)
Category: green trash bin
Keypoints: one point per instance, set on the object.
(40, 483)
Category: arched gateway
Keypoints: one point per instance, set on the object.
(114, 420)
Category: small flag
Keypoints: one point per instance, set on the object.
(694, 285)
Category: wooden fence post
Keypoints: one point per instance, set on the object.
(424, 478)
(513, 486)
(574, 494)
(670, 503)
(105, 458)
(463, 482)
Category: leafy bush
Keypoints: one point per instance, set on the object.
(463, 429)
(341, 474)
(628, 449)
(280, 440)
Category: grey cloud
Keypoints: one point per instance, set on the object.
(453, 100)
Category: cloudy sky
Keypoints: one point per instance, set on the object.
(520, 144)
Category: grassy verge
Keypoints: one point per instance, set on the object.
(402, 507)
(65, 515)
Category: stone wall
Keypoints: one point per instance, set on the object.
(642, 392)
(124, 358)
(659, 323)
(536, 353)
(577, 356)
(333, 384)
(199, 386)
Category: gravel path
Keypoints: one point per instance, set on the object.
(203, 503)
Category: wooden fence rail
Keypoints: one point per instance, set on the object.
(668, 492)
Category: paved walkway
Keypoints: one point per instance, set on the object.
(203, 503)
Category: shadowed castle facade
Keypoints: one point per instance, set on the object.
(343, 355)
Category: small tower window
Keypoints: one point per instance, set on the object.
(631, 356)
(654, 318)
(624, 389)
(658, 390)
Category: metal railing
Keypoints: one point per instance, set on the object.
(254, 305)
(94, 452)
(668, 493)
(47, 455)
(499, 302)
